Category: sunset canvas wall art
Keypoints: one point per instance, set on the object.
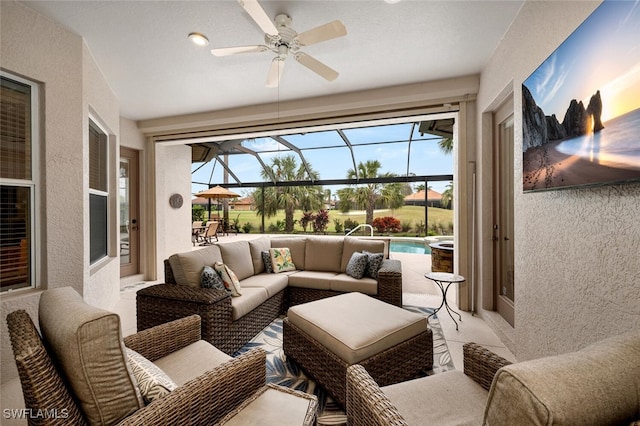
(581, 107)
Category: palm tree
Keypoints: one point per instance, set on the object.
(447, 196)
(289, 198)
(369, 195)
(446, 145)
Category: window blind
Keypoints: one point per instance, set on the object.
(17, 185)
(15, 130)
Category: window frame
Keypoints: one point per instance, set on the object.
(106, 193)
(34, 183)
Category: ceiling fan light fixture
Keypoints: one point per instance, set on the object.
(198, 39)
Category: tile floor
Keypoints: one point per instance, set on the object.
(418, 291)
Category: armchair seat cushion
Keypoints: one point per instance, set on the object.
(454, 399)
(191, 361)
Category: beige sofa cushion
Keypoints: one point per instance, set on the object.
(449, 398)
(323, 254)
(191, 361)
(87, 342)
(312, 279)
(596, 385)
(273, 283)
(352, 245)
(237, 256)
(187, 267)
(344, 283)
(354, 326)
(257, 246)
(297, 247)
(251, 298)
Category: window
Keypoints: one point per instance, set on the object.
(98, 192)
(18, 180)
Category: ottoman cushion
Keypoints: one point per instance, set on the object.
(354, 326)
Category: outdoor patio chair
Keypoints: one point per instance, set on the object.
(196, 230)
(211, 232)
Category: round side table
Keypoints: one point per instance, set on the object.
(444, 281)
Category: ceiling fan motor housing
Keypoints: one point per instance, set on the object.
(285, 41)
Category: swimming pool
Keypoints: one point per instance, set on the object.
(416, 247)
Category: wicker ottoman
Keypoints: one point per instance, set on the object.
(326, 336)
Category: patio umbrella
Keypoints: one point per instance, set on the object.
(217, 193)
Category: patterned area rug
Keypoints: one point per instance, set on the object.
(284, 372)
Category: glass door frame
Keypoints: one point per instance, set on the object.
(129, 249)
(503, 211)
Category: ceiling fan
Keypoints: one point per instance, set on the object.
(283, 40)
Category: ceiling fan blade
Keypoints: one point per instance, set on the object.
(322, 33)
(257, 13)
(226, 51)
(316, 66)
(275, 72)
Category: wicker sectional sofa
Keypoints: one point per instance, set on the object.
(230, 322)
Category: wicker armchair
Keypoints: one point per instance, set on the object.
(204, 400)
(368, 405)
(595, 385)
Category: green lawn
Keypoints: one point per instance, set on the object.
(440, 220)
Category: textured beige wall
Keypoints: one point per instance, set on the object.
(130, 135)
(41, 50)
(173, 226)
(576, 250)
(103, 281)
(33, 46)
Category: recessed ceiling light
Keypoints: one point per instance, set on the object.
(199, 39)
(391, 1)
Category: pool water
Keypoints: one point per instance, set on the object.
(416, 247)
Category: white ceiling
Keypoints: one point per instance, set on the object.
(155, 71)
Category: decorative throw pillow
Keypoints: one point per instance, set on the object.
(357, 265)
(152, 381)
(266, 259)
(373, 265)
(281, 260)
(229, 279)
(210, 279)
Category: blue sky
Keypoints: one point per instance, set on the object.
(602, 54)
(425, 156)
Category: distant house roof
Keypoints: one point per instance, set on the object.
(242, 201)
(200, 201)
(419, 196)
